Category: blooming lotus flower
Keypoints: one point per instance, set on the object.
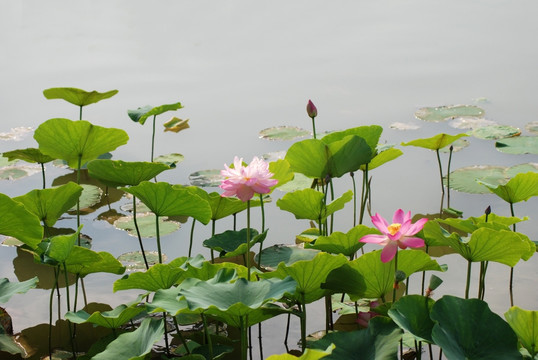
(398, 234)
(363, 318)
(245, 181)
(311, 109)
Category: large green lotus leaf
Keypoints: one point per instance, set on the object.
(84, 261)
(299, 182)
(255, 316)
(232, 242)
(281, 170)
(283, 133)
(474, 223)
(159, 276)
(379, 341)
(525, 325)
(49, 204)
(112, 319)
(8, 289)
(58, 248)
(287, 254)
(346, 280)
(134, 345)
(412, 314)
(117, 173)
(518, 145)
(77, 96)
(308, 204)
(520, 188)
(347, 155)
(19, 222)
(168, 300)
(468, 329)
(495, 132)
(466, 179)
(383, 157)
(238, 298)
(30, 155)
(340, 243)
(142, 113)
(222, 207)
(146, 225)
(309, 274)
(309, 354)
(441, 113)
(77, 140)
(165, 200)
(370, 133)
(309, 157)
(436, 142)
(206, 270)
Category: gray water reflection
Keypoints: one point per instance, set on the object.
(239, 67)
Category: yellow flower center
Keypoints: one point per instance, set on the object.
(394, 228)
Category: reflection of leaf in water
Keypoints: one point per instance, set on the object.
(16, 134)
(146, 225)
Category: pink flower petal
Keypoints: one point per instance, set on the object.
(412, 242)
(388, 252)
(380, 223)
(374, 239)
(416, 227)
(399, 217)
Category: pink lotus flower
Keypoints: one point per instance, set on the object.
(363, 318)
(398, 234)
(311, 109)
(245, 181)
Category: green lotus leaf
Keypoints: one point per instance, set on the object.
(134, 345)
(442, 113)
(470, 123)
(222, 207)
(112, 319)
(521, 168)
(77, 96)
(30, 155)
(518, 145)
(168, 300)
(299, 182)
(142, 113)
(308, 204)
(84, 261)
(284, 133)
(465, 179)
(255, 316)
(457, 145)
(19, 222)
(8, 289)
(170, 159)
(525, 325)
(383, 157)
(471, 224)
(165, 200)
(233, 243)
(412, 314)
(495, 132)
(176, 124)
(206, 178)
(56, 250)
(436, 142)
(286, 254)
(135, 261)
(117, 173)
(75, 141)
(379, 341)
(340, 243)
(205, 270)
(90, 196)
(309, 354)
(521, 187)
(238, 298)
(146, 225)
(159, 276)
(370, 133)
(281, 171)
(9, 344)
(309, 275)
(49, 204)
(468, 329)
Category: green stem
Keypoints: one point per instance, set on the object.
(158, 239)
(138, 234)
(208, 337)
(263, 229)
(468, 279)
(247, 263)
(180, 335)
(510, 286)
(244, 338)
(260, 344)
(365, 193)
(166, 344)
(78, 199)
(313, 126)
(43, 174)
(56, 272)
(153, 138)
(80, 112)
(440, 171)
(332, 198)
(448, 177)
(69, 309)
(191, 240)
(395, 281)
(354, 198)
(303, 322)
(213, 221)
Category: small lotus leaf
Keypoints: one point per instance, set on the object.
(57, 249)
(206, 178)
(286, 254)
(117, 173)
(159, 276)
(30, 155)
(176, 125)
(18, 172)
(470, 123)
(281, 171)
(169, 159)
(308, 204)
(495, 132)
(309, 354)
(525, 325)
(532, 127)
(521, 168)
(19, 222)
(222, 207)
(518, 145)
(404, 126)
(383, 156)
(77, 96)
(146, 225)
(340, 243)
(112, 319)
(284, 133)
(299, 182)
(77, 142)
(370, 133)
(141, 114)
(468, 329)
(412, 314)
(229, 241)
(8, 289)
(84, 261)
(436, 142)
(135, 261)
(465, 179)
(134, 345)
(521, 187)
(442, 113)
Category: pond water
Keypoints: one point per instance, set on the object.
(239, 67)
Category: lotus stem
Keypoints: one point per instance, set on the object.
(287, 333)
(395, 280)
(43, 174)
(56, 271)
(303, 322)
(468, 279)
(440, 171)
(138, 234)
(332, 198)
(80, 113)
(158, 239)
(166, 344)
(181, 338)
(263, 229)
(260, 344)
(354, 198)
(364, 193)
(313, 126)
(208, 336)
(448, 177)
(247, 262)
(510, 286)
(191, 240)
(153, 138)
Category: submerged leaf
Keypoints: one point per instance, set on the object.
(206, 178)
(146, 225)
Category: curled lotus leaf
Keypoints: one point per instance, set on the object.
(521, 187)
(19, 222)
(8, 289)
(76, 96)
(525, 325)
(141, 114)
(272, 256)
(176, 125)
(112, 319)
(436, 142)
(30, 155)
(442, 113)
(284, 133)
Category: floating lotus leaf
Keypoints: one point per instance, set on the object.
(16, 134)
(134, 345)
(412, 314)
(75, 141)
(521, 187)
(159, 276)
(495, 132)
(466, 179)
(146, 225)
(518, 145)
(117, 173)
(84, 261)
(286, 254)
(169, 159)
(532, 127)
(436, 142)
(284, 133)
(135, 261)
(470, 123)
(77, 96)
(30, 155)
(18, 172)
(308, 204)
(8, 289)
(404, 126)
(299, 182)
(91, 195)
(49, 204)
(442, 113)
(19, 222)
(206, 178)
(176, 125)
(468, 329)
(525, 325)
(379, 341)
(141, 114)
(340, 243)
(309, 354)
(4, 161)
(140, 207)
(521, 168)
(457, 145)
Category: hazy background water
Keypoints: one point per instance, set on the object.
(240, 66)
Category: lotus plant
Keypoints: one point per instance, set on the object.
(312, 112)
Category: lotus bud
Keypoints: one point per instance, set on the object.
(311, 109)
